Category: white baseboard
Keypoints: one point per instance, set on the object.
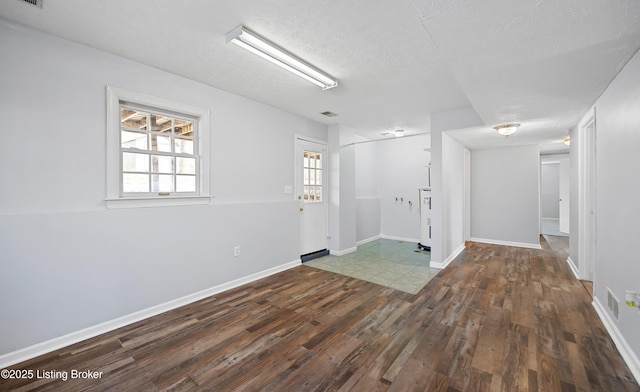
(573, 267)
(390, 237)
(507, 243)
(362, 242)
(452, 256)
(343, 252)
(627, 353)
(108, 326)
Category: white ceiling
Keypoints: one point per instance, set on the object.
(539, 63)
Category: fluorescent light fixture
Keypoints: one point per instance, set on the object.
(256, 44)
(399, 132)
(507, 129)
(567, 141)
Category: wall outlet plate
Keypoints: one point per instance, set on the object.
(631, 299)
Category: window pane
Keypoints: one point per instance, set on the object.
(183, 127)
(161, 164)
(162, 183)
(185, 183)
(160, 142)
(135, 182)
(130, 118)
(312, 177)
(306, 194)
(318, 177)
(185, 165)
(312, 194)
(306, 177)
(318, 161)
(135, 162)
(305, 161)
(318, 194)
(184, 146)
(133, 140)
(160, 123)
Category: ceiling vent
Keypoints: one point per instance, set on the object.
(35, 3)
(329, 114)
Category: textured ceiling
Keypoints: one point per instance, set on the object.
(539, 63)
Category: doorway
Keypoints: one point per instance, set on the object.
(311, 192)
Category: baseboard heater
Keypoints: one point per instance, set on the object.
(314, 255)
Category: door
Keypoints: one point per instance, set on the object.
(563, 213)
(311, 191)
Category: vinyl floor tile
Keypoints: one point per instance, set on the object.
(396, 264)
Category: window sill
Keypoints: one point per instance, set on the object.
(163, 201)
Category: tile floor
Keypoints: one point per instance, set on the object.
(390, 263)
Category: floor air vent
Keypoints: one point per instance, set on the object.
(613, 303)
(35, 3)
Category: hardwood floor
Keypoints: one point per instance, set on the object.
(497, 319)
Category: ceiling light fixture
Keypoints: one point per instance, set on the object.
(260, 46)
(567, 141)
(399, 132)
(507, 129)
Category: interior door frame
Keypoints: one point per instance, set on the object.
(587, 197)
(325, 180)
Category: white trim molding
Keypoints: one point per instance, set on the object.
(507, 243)
(627, 353)
(445, 263)
(391, 237)
(343, 252)
(111, 325)
(367, 240)
(573, 267)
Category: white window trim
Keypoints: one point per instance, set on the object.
(114, 199)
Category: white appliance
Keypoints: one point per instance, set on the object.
(425, 219)
(425, 213)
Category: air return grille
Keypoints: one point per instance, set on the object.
(613, 303)
(35, 3)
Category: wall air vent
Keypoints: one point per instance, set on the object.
(613, 304)
(35, 3)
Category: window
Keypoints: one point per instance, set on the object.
(157, 151)
(312, 181)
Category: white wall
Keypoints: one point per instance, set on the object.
(617, 194)
(550, 190)
(342, 189)
(67, 262)
(401, 172)
(447, 182)
(367, 199)
(505, 206)
(385, 170)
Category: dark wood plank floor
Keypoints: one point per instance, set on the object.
(497, 319)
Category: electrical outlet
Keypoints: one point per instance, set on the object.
(236, 251)
(631, 298)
